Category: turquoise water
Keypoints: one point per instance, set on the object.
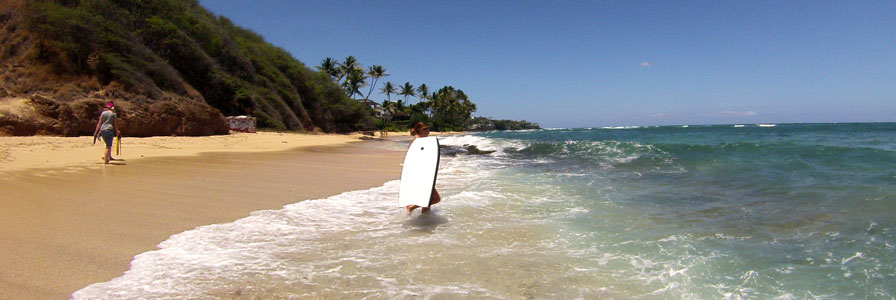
(794, 210)
(791, 211)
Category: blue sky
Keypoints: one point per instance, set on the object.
(610, 63)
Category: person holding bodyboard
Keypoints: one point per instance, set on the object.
(418, 176)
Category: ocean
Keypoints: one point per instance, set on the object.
(753, 211)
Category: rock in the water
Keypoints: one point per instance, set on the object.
(473, 150)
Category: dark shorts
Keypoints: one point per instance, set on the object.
(108, 136)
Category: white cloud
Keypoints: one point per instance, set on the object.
(656, 115)
(646, 64)
(729, 113)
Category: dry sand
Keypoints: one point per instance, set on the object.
(40, 152)
(68, 221)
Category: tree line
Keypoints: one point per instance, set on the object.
(447, 109)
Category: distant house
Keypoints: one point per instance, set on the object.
(376, 107)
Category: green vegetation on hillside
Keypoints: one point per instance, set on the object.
(163, 47)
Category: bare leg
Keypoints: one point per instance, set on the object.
(435, 199)
(411, 209)
(108, 155)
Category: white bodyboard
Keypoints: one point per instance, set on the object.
(418, 176)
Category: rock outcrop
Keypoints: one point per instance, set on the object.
(43, 115)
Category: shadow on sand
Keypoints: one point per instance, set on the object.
(118, 162)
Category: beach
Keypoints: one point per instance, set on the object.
(788, 211)
(48, 152)
(69, 221)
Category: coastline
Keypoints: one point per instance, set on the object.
(51, 152)
(70, 221)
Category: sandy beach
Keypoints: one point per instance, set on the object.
(48, 152)
(69, 221)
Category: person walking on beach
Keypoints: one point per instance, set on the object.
(107, 127)
(421, 130)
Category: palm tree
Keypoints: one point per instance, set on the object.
(347, 67)
(330, 67)
(354, 82)
(451, 107)
(375, 71)
(388, 89)
(406, 90)
(423, 92)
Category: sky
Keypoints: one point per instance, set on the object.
(566, 64)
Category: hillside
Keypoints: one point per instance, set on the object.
(172, 68)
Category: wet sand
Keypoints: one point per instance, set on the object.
(62, 229)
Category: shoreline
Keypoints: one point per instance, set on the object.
(71, 222)
(49, 153)
(20, 153)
